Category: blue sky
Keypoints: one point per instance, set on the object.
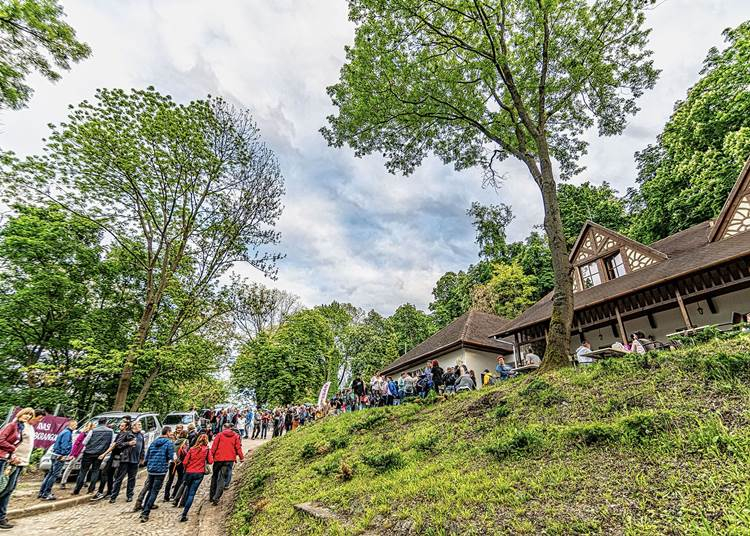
(351, 231)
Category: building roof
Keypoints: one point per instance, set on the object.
(687, 251)
(473, 329)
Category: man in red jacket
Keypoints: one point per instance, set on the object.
(225, 448)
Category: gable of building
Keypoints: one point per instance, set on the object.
(600, 254)
(734, 217)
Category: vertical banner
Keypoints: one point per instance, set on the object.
(323, 396)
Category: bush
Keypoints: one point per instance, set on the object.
(36, 457)
(591, 434)
(516, 442)
(501, 411)
(309, 450)
(384, 461)
(371, 419)
(425, 442)
(336, 443)
(639, 427)
(326, 468)
(542, 393)
(345, 471)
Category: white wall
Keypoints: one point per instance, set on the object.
(478, 360)
(451, 359)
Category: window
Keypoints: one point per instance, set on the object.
(615, 266)
(148, 423)
(590, 275)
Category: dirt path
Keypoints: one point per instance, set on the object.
(105, 519)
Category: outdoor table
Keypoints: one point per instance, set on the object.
(524, 369)
(605, 353)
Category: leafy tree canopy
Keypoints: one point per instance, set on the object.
(600, 204)
(33, 37)
(686, 176)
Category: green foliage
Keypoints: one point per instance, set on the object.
(600, 204)
(369, 345)
(36, 457)
(501, 411)
(516, 442)
(410, 327)
(291, 364)
(33, 37)
(369, 420)
(543, 393)
(383, 461)
(508, 292)
(490, 222)
(686, 176)
(309, 450)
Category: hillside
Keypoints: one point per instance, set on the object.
(655, 444)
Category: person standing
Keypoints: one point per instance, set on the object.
(192, 435)
(60, 454)
(130, 457)
(75, 453)
(111, 464)
(224, 450)
(159, 454)
(96, 443)
(176, 469)
(16, 445)
(196, 461)
(257, 418)
(265, 419)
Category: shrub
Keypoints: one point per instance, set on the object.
(340, 442)
(309, 450)
(426, 442)
(326, 468)
(638, 427)
(501, 411)
(371, 419)
(542, 393)
(384, 461)
(591, 434)
(516, 442)
(345, 471)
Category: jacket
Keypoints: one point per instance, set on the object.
(196, 459)
(226, 447)
(10, 437)
(64, 443)
(159, 454)
(98, 440)
(358, 386)
(135, 454)
(78, 445)
(465, 382)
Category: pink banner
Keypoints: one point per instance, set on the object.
(323, 396)
(45, 432)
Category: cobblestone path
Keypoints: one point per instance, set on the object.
(105, 519)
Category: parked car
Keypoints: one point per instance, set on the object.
(181, 417)
(149, 422)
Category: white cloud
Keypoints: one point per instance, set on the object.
(350, 230)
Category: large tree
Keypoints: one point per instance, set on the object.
(177, 186)
(475, 82)
(410, 326)
(33, 37)
(686, 176)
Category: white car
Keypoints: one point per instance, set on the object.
(181, 417)
(149, 422)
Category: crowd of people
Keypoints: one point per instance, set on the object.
(178, 460)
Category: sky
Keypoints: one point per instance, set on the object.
(351, 231)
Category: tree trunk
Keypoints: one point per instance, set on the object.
(144, 390)
(558, 336)
(128, 368)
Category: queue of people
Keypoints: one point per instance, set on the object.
(177, 460)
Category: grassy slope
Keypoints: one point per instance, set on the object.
(628, 446)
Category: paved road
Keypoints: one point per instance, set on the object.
(104, 519)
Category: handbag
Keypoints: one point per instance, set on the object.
(207, 466)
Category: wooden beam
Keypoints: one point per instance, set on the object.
(651, 321)
(516, 349)
(623, 335)
(683, 310)
(711, 305)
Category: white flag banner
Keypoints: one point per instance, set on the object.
(323, 396)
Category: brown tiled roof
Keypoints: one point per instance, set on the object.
(687, 251)
(473, 329)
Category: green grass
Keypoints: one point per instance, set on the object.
(655, 445)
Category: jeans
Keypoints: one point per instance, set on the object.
(89, 464)
(107, 476)
(8, 491)
(51, 477)
(174, 471)
(263, 431)
(153, 492)
(129, 469)
(218, 480)
(192, 482)
(256, 432)
(228, 477)
(143, 492)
